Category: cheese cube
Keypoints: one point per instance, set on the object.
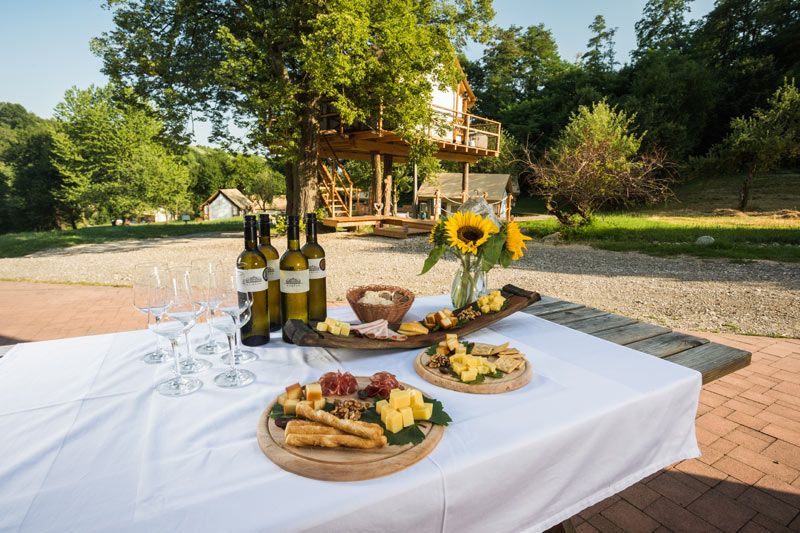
(430, 320)
(386, 411)
(469, 375)
(408, 416)
(494, 307)
(331, 321)
(491, 366)
(416, 397)
(290, 406)
(458, 368)
(461, 349)
(473, 361)
(457, 358)
(322, 326)
(282, 398)
(313, 392)
(442, 344)
(379, 406)
(336, 330)
(394, 421)
(399, 398)
(293, 392)
(496, 293)
(345, 330)
(320, 404)
(422, 412)
(440, 315)
(442, 350)
(485, 309)
(450, 337)
(452, 344)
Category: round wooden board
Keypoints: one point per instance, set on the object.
(343, 464)
(514, 380)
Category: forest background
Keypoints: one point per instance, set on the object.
(685, 82)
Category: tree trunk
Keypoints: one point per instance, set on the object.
(387, 184)
(744, 194)
(291, 187)
(465, 183)
(376, 192)
(306, 170)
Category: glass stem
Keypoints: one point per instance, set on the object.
(233, 356)
(174, 343)
(189, 356)
(238, 340)
(158, 337)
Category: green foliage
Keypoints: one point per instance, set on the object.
(600, 56)
(760, 142)
(600, 125)
(110, 158)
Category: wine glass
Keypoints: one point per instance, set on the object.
(146, 277)
(236, 308)
(178, 316)
(242, 356)
(205, 293)
(184, 292)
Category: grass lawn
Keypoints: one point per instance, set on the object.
(736, 238)
(19, 244)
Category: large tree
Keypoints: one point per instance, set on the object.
(271, 66)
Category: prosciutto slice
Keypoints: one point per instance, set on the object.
(378, 329)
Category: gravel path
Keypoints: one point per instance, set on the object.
(762, 297)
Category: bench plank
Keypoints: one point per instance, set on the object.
(712, 360)
(637, 331)
(565, 317)
(541, 310)
(667, 344)
(601, 323)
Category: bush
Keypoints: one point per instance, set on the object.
(594, 163)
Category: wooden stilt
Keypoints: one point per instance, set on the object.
(387, 184)
(376, 192)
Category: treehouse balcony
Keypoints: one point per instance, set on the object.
(458, 135)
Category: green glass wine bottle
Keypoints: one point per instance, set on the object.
(251, 276)
(294, 277)
(317, 300)
(273, 272)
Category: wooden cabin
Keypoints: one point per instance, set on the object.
(226, 203)
(458, 135)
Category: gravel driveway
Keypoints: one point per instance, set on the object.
(762, 297)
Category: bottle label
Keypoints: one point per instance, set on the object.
(293, 281)
(316, 268)
(273, 269)
(251, 280)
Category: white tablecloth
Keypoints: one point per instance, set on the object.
(87, 444)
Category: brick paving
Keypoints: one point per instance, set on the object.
(748, 422)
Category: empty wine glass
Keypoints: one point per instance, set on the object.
(236, 308)
(177, 318)
(205, 293)
(184, 292)
(147, 276)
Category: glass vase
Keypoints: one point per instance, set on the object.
(468, 284)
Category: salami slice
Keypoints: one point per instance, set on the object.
(382, 383)
(338, 384)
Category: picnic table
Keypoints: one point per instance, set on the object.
(89, 445)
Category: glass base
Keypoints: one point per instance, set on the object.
(234, 378)
(179, 386)
(211, 348)
(242, 357)
(195, 367)
(155, 358)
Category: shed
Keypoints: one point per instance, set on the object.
(496, 187)
(225, 203)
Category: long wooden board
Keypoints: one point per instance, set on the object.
(303, 335)
(509, 382)
(343, 464)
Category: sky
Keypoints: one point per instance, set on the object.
(44, 44)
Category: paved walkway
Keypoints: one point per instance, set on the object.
(748, 423)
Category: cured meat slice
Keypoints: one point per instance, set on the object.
(338, 384)
(382, 383)
(378, 329)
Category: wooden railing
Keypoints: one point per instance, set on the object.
(467, 129)
(330, 182)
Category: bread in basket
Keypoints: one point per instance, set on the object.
(394, 313)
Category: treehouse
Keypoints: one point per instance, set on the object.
(457, 134)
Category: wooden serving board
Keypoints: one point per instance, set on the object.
(303, 335)
(343, 464)
(515, 380)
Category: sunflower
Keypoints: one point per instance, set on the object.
(515, 240)
(438, 237)
(468, 231)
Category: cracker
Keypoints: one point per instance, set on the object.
(508, 364)
(480, 348)
(497, 349)
(512, 355)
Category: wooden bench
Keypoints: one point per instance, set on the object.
(712, 360)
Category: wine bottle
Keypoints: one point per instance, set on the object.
(294, 277)
(317, 302)
(251, 276)
(273, 273)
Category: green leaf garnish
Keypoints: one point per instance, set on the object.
(410, 434)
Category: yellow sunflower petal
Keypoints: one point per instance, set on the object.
(468, 231)
(515, 240)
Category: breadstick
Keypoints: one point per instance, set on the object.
(334, 441)
(362, 429)
(305, 427)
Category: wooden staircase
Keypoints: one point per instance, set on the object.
(335, 187)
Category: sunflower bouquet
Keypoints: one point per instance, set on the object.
(479, 244)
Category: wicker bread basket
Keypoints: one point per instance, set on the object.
(403, 298)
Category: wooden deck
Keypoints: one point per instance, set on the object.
(387, 226)
(712, 360)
